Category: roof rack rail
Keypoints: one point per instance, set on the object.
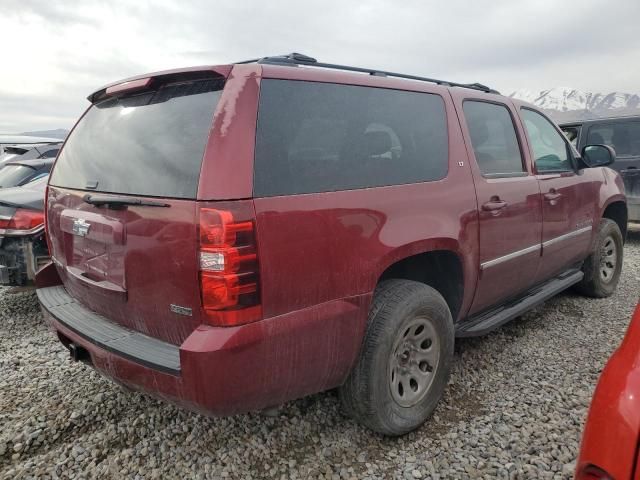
(296, 59)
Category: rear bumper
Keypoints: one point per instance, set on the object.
(97, 330)
(221, 371)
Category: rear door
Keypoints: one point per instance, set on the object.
(508, 200)
(121, 210)
(569, 197)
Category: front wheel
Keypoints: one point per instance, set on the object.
(405, 360)
(603, 267)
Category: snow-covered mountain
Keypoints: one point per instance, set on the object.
(568, 102)
(57, 133)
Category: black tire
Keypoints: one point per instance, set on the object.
(398, 308)
(595, 283)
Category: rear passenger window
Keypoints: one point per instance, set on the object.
(624, 137)
(321, 137)
(494, 139)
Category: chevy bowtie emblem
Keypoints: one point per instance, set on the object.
(80, 227)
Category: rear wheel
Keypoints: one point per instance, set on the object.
(603, 267)
(405, 360)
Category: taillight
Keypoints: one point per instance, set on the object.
(229, 265)
(591, 472)
(22, 220)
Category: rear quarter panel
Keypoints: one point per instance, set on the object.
(315, 248)
(322, 254)
(321, 247)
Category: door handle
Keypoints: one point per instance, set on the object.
(494, 204)
(552, 196)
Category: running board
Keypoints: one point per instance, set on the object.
(492, 319)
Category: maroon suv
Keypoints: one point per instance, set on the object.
(233, 237)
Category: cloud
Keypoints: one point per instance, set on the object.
(58, 52)
(37, 111)
(58, 13)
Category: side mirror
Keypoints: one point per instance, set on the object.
(598, 155)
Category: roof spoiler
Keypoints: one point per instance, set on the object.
(146, 82)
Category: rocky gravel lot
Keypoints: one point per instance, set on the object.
(514, 409)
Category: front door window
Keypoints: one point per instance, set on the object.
(549, 148)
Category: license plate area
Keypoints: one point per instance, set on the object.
(94, 248)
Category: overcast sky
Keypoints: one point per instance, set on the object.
(53, 53)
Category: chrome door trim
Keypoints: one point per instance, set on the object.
(566, 236)
(510, 256)
(533, 248)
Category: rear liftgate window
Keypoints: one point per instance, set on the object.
(320, 137)
(150, 144)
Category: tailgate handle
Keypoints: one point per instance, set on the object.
(103, 285)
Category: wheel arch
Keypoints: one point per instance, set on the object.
(427, 267)
(616, 210)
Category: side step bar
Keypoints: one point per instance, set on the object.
(492, 319)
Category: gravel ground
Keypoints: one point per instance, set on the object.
(514, 409)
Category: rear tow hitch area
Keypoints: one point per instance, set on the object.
(76, 352)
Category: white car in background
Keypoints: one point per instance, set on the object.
(28, 151)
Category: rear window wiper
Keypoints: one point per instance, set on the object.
(115, 202)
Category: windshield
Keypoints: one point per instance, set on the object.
(12, 175)
(146, 144)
